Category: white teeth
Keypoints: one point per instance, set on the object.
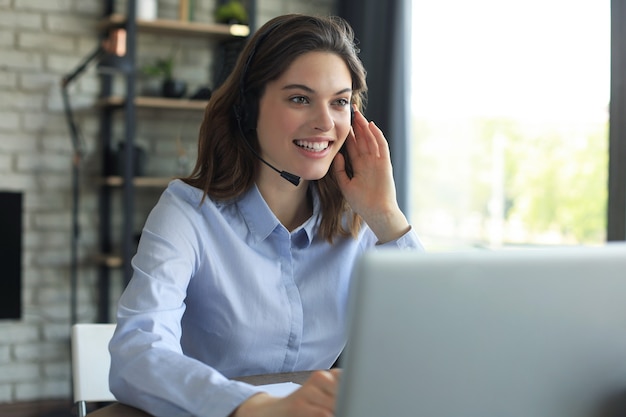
(312, 146)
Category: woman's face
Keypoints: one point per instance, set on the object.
(304, 116)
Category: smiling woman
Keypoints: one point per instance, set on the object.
(239, 272)
(510, 109)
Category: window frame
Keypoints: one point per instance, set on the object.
(616, 204)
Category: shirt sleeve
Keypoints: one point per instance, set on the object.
(409, 240)
(148, 368)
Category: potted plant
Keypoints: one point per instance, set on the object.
(232, 12)
(163, 69)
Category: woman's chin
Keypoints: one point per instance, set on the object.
(315, 175)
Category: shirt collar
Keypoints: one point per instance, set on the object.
(261, 221)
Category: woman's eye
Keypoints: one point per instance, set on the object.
(299, 100)
(343, 102)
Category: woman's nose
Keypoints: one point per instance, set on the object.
(323, 119)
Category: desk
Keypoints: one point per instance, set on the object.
(122, 410)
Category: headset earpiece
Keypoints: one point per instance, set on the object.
(250, 114)
(247, 111)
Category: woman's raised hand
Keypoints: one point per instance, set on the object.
(371, 192)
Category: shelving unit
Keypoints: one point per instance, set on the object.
(117, 254)
(178, 27)
(154, 103)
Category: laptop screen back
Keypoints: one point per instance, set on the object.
(538, 333)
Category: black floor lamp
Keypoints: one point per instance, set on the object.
(113, 45)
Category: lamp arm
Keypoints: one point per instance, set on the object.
(67, 79)
(77, 144)
(115, 44)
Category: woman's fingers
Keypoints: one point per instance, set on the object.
(316, 398)
(365, 135)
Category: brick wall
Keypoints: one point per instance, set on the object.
(39, 42)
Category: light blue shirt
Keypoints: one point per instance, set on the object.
(222, 290)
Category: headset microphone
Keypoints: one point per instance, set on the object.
(292, 178)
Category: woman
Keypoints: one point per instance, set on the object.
(242, 272)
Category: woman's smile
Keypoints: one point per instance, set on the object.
(313, 146)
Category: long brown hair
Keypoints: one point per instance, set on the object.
(226, 167)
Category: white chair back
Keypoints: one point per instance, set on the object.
(90, 364)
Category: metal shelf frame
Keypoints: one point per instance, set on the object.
(109, 257)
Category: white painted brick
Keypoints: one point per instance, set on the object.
(9, 120)
(86, 45)
(89, 7)
(58, 142)
(64, 23)
(57, 312)
(48, 126)
(5, 354)
(89, 85)
(21, 60)
(8, 79)
(52, 295)
(6, 163)
(7, 39)
(12, 141)
(64, 63)
(49, 200)
(56, 181)
(40, 352)
(58, 370)
(6, 390)
(54, 388)
(35, 277)
(37, 81)
(18, 333)
(79, 102)
(23, 101)
(55, 257)
(20, 20)
(14, 182)
(14, 372)
(58, 332)
(29, 163)
(41, 40)
(43, 6)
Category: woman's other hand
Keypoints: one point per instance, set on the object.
(316, 398)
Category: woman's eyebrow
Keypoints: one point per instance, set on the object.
(310, 90)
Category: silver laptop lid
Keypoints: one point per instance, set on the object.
(528, 333)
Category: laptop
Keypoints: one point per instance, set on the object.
(507, 333)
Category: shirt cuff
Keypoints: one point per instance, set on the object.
(409, 240)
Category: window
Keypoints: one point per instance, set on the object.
(510, 122)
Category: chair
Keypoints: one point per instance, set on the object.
(90, 364)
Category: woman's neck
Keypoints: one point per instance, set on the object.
(291, 205)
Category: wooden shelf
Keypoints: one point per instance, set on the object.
(155, 103)
(180, 27)
(144, 182)
(110, 261)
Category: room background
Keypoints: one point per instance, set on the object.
(40, 41)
